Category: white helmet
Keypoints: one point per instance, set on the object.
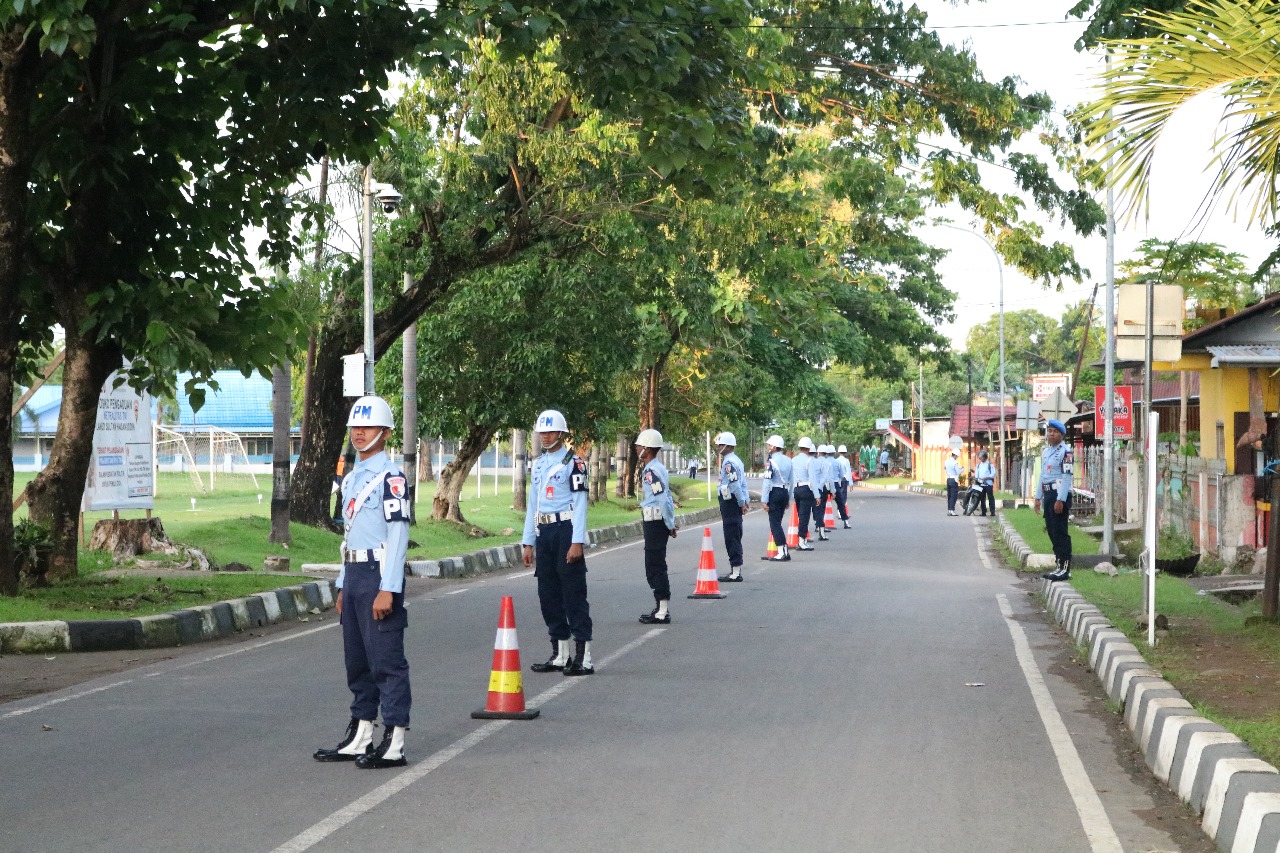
(649, 438)
(805, 443)
(824, 448)
(727, 438)
(370, 411)
(842, 449)
(775, 441)
(551, 421)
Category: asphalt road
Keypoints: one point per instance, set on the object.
(896, 690)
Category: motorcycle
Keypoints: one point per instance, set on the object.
(974, 497)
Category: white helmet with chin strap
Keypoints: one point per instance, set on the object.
(727, 438)
(650, 438)
(551, 421)
(370, 411)
(775, 441)
(805, 443)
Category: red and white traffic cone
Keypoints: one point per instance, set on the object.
(793, 531)
(829, 522)
(506, 688)
(708, 585)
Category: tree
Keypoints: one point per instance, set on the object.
(1211, 46)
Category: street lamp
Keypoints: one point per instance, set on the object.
(390, 200)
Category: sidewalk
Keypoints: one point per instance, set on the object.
(224, 618)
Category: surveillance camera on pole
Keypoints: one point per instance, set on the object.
(389, 198)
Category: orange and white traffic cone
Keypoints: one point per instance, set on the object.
(830, 521)
(793, 531)
(772, 550)
(708, 585)
(506, 689)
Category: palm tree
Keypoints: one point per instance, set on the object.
(1228, 47)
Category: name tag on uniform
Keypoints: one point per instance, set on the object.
(551, 491)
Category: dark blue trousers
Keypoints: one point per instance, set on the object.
(842, 500)
(778, 503)
(656, 536)
(1055, 524)
(562, 586)
(804, 507)
(731, 518)
(953, 492)
(377, 671)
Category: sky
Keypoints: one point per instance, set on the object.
(1035, 43)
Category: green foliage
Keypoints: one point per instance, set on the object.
(1211, 277)
(1174, 544)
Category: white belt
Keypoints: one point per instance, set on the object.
(803, 483)
(651, 513)
(553, 517)
(362, 555)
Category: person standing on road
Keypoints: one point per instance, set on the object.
(555, 531)
(953, 481)
(843, 479)
(1055, 492)
(986, 475)
(370, 601)
(658, 511)
(824, 487)
(693, 468)
(735, 500)
(778, 479)
(804, 492)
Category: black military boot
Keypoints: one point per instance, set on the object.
(390, 753)
(559, 657)
(581, 662)
(357, 741)
(1061, 573)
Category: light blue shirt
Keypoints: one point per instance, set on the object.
(986, 473)
(1055, 469)
(953, 468)
(558, 485)
(656, 491)
(382, 521)
(802, 471)
(823, 474)
(733, 479)
(778, 471)
(846, 469)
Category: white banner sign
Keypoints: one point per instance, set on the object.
(120, 470)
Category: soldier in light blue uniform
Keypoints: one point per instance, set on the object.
(658, 514)
(555, 532)
(370, 602)
(824, 487)
(778, 480)
(804, 491)
(734, 502)
(1055, 492)
(843, 480)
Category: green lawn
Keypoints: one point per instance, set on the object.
(1030, 527)
(230, 524)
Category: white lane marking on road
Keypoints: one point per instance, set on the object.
(43, 705)
(1093, 817)
(458, 591)
(308, 838)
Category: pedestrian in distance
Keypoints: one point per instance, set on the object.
(953, 481)
(803, 491)
(986, 475)
(555, 532)
(844, 478)
(777, 488)
(884, 462)
(370, 601)
(735, 500)
(1055, 494)
(693, 468)
(658, 514)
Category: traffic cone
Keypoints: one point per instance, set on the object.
(708, 585)
(772, 550)
(793, 532)
(506, 690)
(829, 522)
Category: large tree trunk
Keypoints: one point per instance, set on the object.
(19, 65)
(521, 455)
(445, 503)
(326, 427)
(593, 471)
(426, 470)
(281, 411)
(620, 488)
(55, 494)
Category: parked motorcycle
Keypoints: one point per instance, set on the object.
(974, 497)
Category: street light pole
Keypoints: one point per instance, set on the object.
(367, 198)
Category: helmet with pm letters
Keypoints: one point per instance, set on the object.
(370, 412)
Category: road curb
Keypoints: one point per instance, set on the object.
(225, 618)
(1234, 792)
